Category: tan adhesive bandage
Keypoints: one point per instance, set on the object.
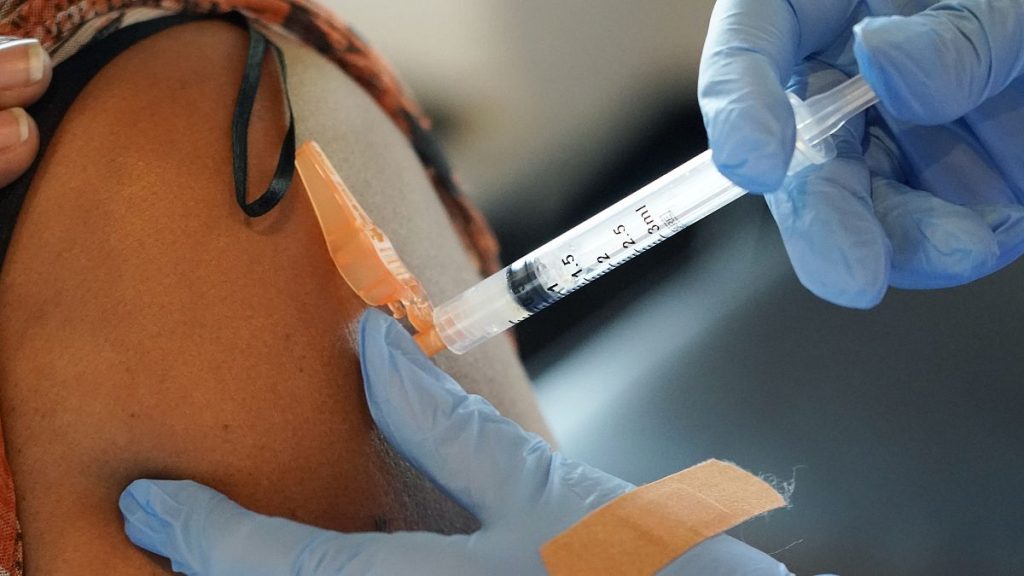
(642, 531)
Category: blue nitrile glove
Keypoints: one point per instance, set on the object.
(926, 193)
(522, 492)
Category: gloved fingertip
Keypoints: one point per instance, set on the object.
(868, 276)
(838, 248)
(756, 151)
(381, 337)
(943, 256)
(132, 509)
(756, 180)
(864, 292)
(133, 494)
(153, 498)
(972, 246)
(936, 244)
(373, 326)
(149, 521)
(869, 268)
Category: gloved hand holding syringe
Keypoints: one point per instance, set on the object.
(629, 228)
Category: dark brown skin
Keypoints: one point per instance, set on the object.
(149, 329)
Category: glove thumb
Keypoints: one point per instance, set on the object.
(935, 66)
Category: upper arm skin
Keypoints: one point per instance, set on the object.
(150, 329)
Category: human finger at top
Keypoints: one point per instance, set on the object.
(25, 71)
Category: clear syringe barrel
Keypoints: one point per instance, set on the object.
(627, 229)
(607, 240)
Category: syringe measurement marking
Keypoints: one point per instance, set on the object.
(655, 238)
(605, 262)
(653, 230)
(621, 229)
(636, 252)
(644, 213)
(535, 299)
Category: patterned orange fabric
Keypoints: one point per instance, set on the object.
(10, 532)
(64, 26)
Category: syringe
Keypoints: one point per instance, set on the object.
(630, 227)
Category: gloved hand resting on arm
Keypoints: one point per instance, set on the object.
(522, 492)
(928, 192)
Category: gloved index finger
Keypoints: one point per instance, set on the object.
(203, 533)
(751, 51)
(937, 65)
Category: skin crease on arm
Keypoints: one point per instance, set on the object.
(149, 329)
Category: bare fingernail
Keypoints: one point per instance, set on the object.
(22, 62)
(13, 127)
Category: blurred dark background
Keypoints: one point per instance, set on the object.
(901, 425)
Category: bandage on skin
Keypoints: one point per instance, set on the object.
(361, 252)
(643, 530)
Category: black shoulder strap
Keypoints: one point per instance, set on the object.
(72, 75)
(285, 170)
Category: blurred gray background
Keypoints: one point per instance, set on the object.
(901, 425)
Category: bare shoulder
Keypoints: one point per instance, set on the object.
(150, 329)
(143, 156)
(382, 170)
